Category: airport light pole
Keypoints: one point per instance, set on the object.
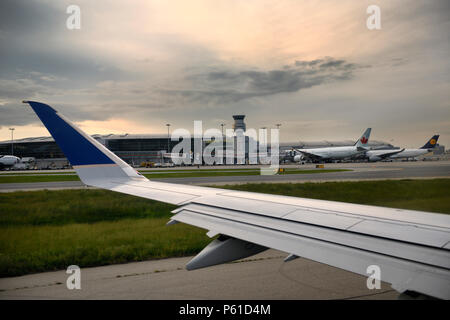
(12, 140)
(224, 146)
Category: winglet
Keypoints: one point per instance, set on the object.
(84, 153)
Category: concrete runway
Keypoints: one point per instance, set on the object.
(360, 171)
(263, 276)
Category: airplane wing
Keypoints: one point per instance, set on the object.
(310, 155)
(411, 248)
(389, 153)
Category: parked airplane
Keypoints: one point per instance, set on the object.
(410, 248)
(377, 155)
(8, 161)
(335, 153)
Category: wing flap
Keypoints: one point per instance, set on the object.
(324, 219)
(403, 232)
(371, 223)
(401, 273)
(427, 219)
(247, 205)
(391, 247)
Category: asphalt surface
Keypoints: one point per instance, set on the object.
(360, 171)
(264, 276)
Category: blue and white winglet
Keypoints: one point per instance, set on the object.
(411, 248)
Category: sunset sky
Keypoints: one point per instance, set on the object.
(312, 66)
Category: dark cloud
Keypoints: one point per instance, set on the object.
(16, 114)
(332, 63)
(207, 88)
(29, 17)
(34, 38)
(228, 86)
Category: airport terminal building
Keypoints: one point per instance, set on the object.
(137, 148)
(134, 149)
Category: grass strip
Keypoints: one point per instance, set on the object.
(158, 175)
(50, 230)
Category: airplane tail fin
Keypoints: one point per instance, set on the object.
(364, 140)
(431, 143)
(92, 161)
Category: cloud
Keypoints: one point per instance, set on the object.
(152, 62)
(197, 88)
(16, 114)
(231, 85)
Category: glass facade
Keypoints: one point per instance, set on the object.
(131, 150)
(38, 150)
(153, 144)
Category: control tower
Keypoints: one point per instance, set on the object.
(239, 122)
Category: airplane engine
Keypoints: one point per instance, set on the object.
(374, 158)
(298, 158)
(224, 249)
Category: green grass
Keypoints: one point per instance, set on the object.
(141, 170)
(75, 206)
(36, 172)
(49, 230)
(5, 178)
(29, 249)
(427, 195)
(232, 172)
(37, 178)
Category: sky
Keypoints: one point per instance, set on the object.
(312, 66)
